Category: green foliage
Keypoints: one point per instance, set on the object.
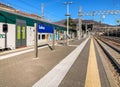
(72, 24)
(118, 21)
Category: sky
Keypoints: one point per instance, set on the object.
(55, 10)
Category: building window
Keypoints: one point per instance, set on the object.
(43, 36)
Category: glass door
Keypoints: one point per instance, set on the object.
(20, 36)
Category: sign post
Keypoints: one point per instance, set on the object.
(35, 42)
(53, 43)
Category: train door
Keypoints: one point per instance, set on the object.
(20, 35)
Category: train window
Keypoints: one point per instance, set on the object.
(43, 36)
(5, 28)
(39, 36)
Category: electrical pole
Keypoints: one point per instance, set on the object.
(67, 15)
(42, 10)
(80, 23)
(115, 13)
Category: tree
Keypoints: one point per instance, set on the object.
(118, 22)
(72, 24)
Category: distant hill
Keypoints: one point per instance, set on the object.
(96, 24)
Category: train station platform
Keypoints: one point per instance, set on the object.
(78, 65)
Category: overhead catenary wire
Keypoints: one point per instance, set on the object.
(17, 7)
(47, 12)
(20, 8)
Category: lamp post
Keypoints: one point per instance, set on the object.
(67, 15)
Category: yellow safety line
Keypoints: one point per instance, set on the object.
(92, 77)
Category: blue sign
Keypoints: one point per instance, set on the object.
(45, 29)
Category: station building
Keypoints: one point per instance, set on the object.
(21, 27)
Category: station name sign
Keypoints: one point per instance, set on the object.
(45, 28)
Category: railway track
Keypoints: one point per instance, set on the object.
(111, 52)
(112, 44)
(114, 39)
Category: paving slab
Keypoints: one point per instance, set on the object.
(77, 73)
(23, 71)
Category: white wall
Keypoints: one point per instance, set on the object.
(2, 40)
(10, 36)
(30, 36)
(11, 40)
